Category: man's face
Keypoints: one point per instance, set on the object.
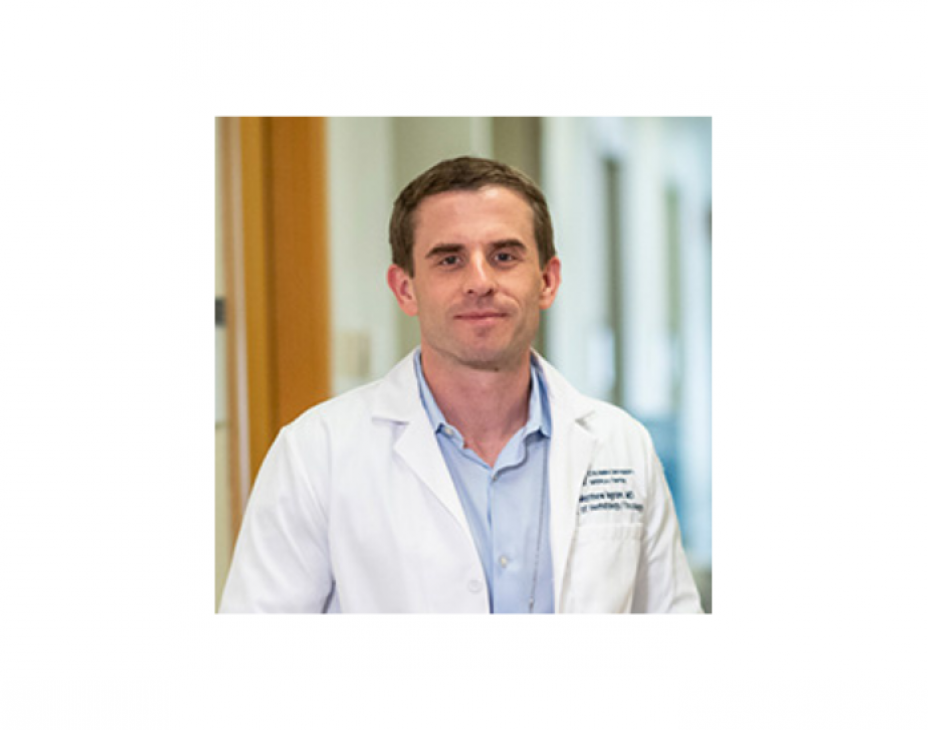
(478, 287)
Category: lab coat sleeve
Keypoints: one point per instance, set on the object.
(281, 562)
(665, 583)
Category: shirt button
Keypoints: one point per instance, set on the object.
(504, 561)
(475, 586)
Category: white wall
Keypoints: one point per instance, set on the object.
(689, 164)
(648, 346)
(578, 322)
(361, 191)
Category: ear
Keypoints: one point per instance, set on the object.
(400, 283)
(550, 281)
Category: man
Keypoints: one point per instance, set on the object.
(473, 477)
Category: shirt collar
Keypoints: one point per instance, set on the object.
(539, 413)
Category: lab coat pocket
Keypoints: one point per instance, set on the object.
(615, 531)
(603, 567)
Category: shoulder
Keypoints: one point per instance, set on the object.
(387, 398)
(346, 411)
(617, 431)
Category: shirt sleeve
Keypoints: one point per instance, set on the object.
(665, 583)
(281, 562)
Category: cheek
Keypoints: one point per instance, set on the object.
(428, 300)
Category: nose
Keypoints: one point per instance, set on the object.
(480, 280)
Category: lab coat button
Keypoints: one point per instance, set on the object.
(475, 586)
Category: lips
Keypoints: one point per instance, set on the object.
(480, 316)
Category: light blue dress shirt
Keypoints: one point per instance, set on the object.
(506, 504)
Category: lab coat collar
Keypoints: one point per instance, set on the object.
(538, 410)
(394, 401)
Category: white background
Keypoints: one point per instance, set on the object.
(107, 185)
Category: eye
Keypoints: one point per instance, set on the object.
(506, 257)
(449, 260)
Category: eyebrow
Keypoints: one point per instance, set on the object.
(509, 243)
(443, 249)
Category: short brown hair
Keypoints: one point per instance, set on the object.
(465, 173)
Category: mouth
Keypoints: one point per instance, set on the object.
(480, 316)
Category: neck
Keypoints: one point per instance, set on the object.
(486, 406)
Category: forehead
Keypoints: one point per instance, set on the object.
(472, 215)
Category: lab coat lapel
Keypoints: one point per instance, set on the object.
(572, 448)
(418, 447)
(398, 400)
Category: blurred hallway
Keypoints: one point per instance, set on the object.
(631, 203)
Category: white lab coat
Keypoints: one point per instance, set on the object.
(354, 510)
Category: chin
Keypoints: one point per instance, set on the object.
(489, 354)
(487, 359)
